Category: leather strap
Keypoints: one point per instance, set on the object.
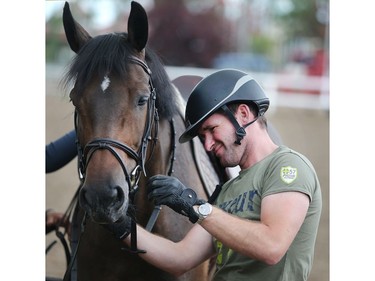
(240, 131)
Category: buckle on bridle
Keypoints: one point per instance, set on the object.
(135, 175)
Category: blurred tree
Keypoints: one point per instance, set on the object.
(53, 41)
(303, 19)
(305, 26)
(261, 44)
(56, 42)
(184, 36)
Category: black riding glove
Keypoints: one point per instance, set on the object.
(170, 191)
(120, 229)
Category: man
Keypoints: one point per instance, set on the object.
(264, 222)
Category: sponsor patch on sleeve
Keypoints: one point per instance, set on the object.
(288, 174)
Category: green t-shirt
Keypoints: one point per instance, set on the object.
(283, 170)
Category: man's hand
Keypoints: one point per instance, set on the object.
(120, 229)
(170, 191)
(54, 220)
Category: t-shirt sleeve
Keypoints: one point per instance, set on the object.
(290, 172)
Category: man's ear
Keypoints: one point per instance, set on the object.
(244, 114)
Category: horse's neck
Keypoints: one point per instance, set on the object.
(159, 160)
(181, 103)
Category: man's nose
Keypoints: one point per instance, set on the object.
(208, 143)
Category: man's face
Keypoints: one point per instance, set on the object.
(218, 135)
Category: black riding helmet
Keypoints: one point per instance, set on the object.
(217, 90)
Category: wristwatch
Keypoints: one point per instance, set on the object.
(203, 211)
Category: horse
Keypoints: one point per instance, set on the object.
(128, 116)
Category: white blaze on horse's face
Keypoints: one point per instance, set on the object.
(105, 83)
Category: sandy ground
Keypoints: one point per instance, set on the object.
(304, 130)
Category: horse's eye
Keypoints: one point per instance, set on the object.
(142, 100)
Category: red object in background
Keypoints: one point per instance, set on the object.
(317, 64)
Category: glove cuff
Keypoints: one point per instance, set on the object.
(193, 216)
(189, 196)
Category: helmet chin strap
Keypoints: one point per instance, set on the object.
(240, 131)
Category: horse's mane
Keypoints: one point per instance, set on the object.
(110, 53)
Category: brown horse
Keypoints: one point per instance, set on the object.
(128, 118)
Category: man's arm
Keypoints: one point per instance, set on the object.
(61, 151)
(268, 240)
(175, 257)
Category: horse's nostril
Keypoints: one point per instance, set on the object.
(119, 196)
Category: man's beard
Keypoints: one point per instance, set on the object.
(229, 158)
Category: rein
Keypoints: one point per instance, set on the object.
(132, 178)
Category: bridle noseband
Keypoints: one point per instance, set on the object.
(109, 144)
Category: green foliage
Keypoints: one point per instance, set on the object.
(53, 40)
(261, 44)
(301, 20)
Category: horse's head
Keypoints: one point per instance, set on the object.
(114, 100)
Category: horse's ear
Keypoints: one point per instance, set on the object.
(76, 35)
(137, 26)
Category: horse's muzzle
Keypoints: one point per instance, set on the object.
(104, 204)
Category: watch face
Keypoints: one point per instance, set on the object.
(205, 209)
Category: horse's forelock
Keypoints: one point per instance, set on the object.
(99, 56)
(108, 53)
